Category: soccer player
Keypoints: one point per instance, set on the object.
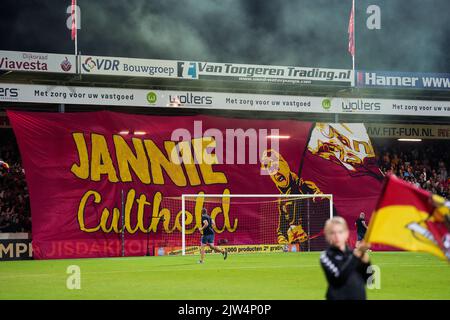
(208, 236)
(361, 228)
(345, 269)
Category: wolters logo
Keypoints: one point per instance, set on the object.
(187, 70)
(152, 97)
(326, 104)
(360, 106)
(189, 99)
(9, 93)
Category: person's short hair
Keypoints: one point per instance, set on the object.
(204, 211)
(333, 221)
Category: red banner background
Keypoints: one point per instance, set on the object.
(51, 158)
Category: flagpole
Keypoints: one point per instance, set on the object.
(76, 32)
(76, 44)
(354, 37)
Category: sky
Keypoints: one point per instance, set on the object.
(414, 34)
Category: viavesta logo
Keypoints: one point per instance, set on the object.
(66, 65)
(326, 104)
(360, 106)
(152, 97)
(187, 70)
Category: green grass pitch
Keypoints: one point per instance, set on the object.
(404, 275)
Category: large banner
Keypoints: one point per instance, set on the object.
(37, 62)
(84, 170)
(218, 100)
(152, 68)
(264, 73)
(389, 79)
(408, 131)
(113, 66)
(157, 68)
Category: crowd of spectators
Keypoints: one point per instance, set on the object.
(14, 200)
(424, 164)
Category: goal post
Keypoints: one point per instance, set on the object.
(263, 221)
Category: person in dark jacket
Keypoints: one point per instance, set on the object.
(361, 228)
(346, 270)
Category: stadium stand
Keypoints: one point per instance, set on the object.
(14, 200)
(424, 164)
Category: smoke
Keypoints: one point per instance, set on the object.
(311, 33)
(414, 36)
(187, 30)
(241, 31)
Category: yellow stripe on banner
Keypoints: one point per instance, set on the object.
(401, 226)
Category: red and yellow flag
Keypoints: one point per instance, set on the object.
(351, 31)
(74, 22)
(411, 218)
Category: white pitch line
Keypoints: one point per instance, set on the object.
(201, 267)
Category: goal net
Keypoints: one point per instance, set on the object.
(257, 223)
